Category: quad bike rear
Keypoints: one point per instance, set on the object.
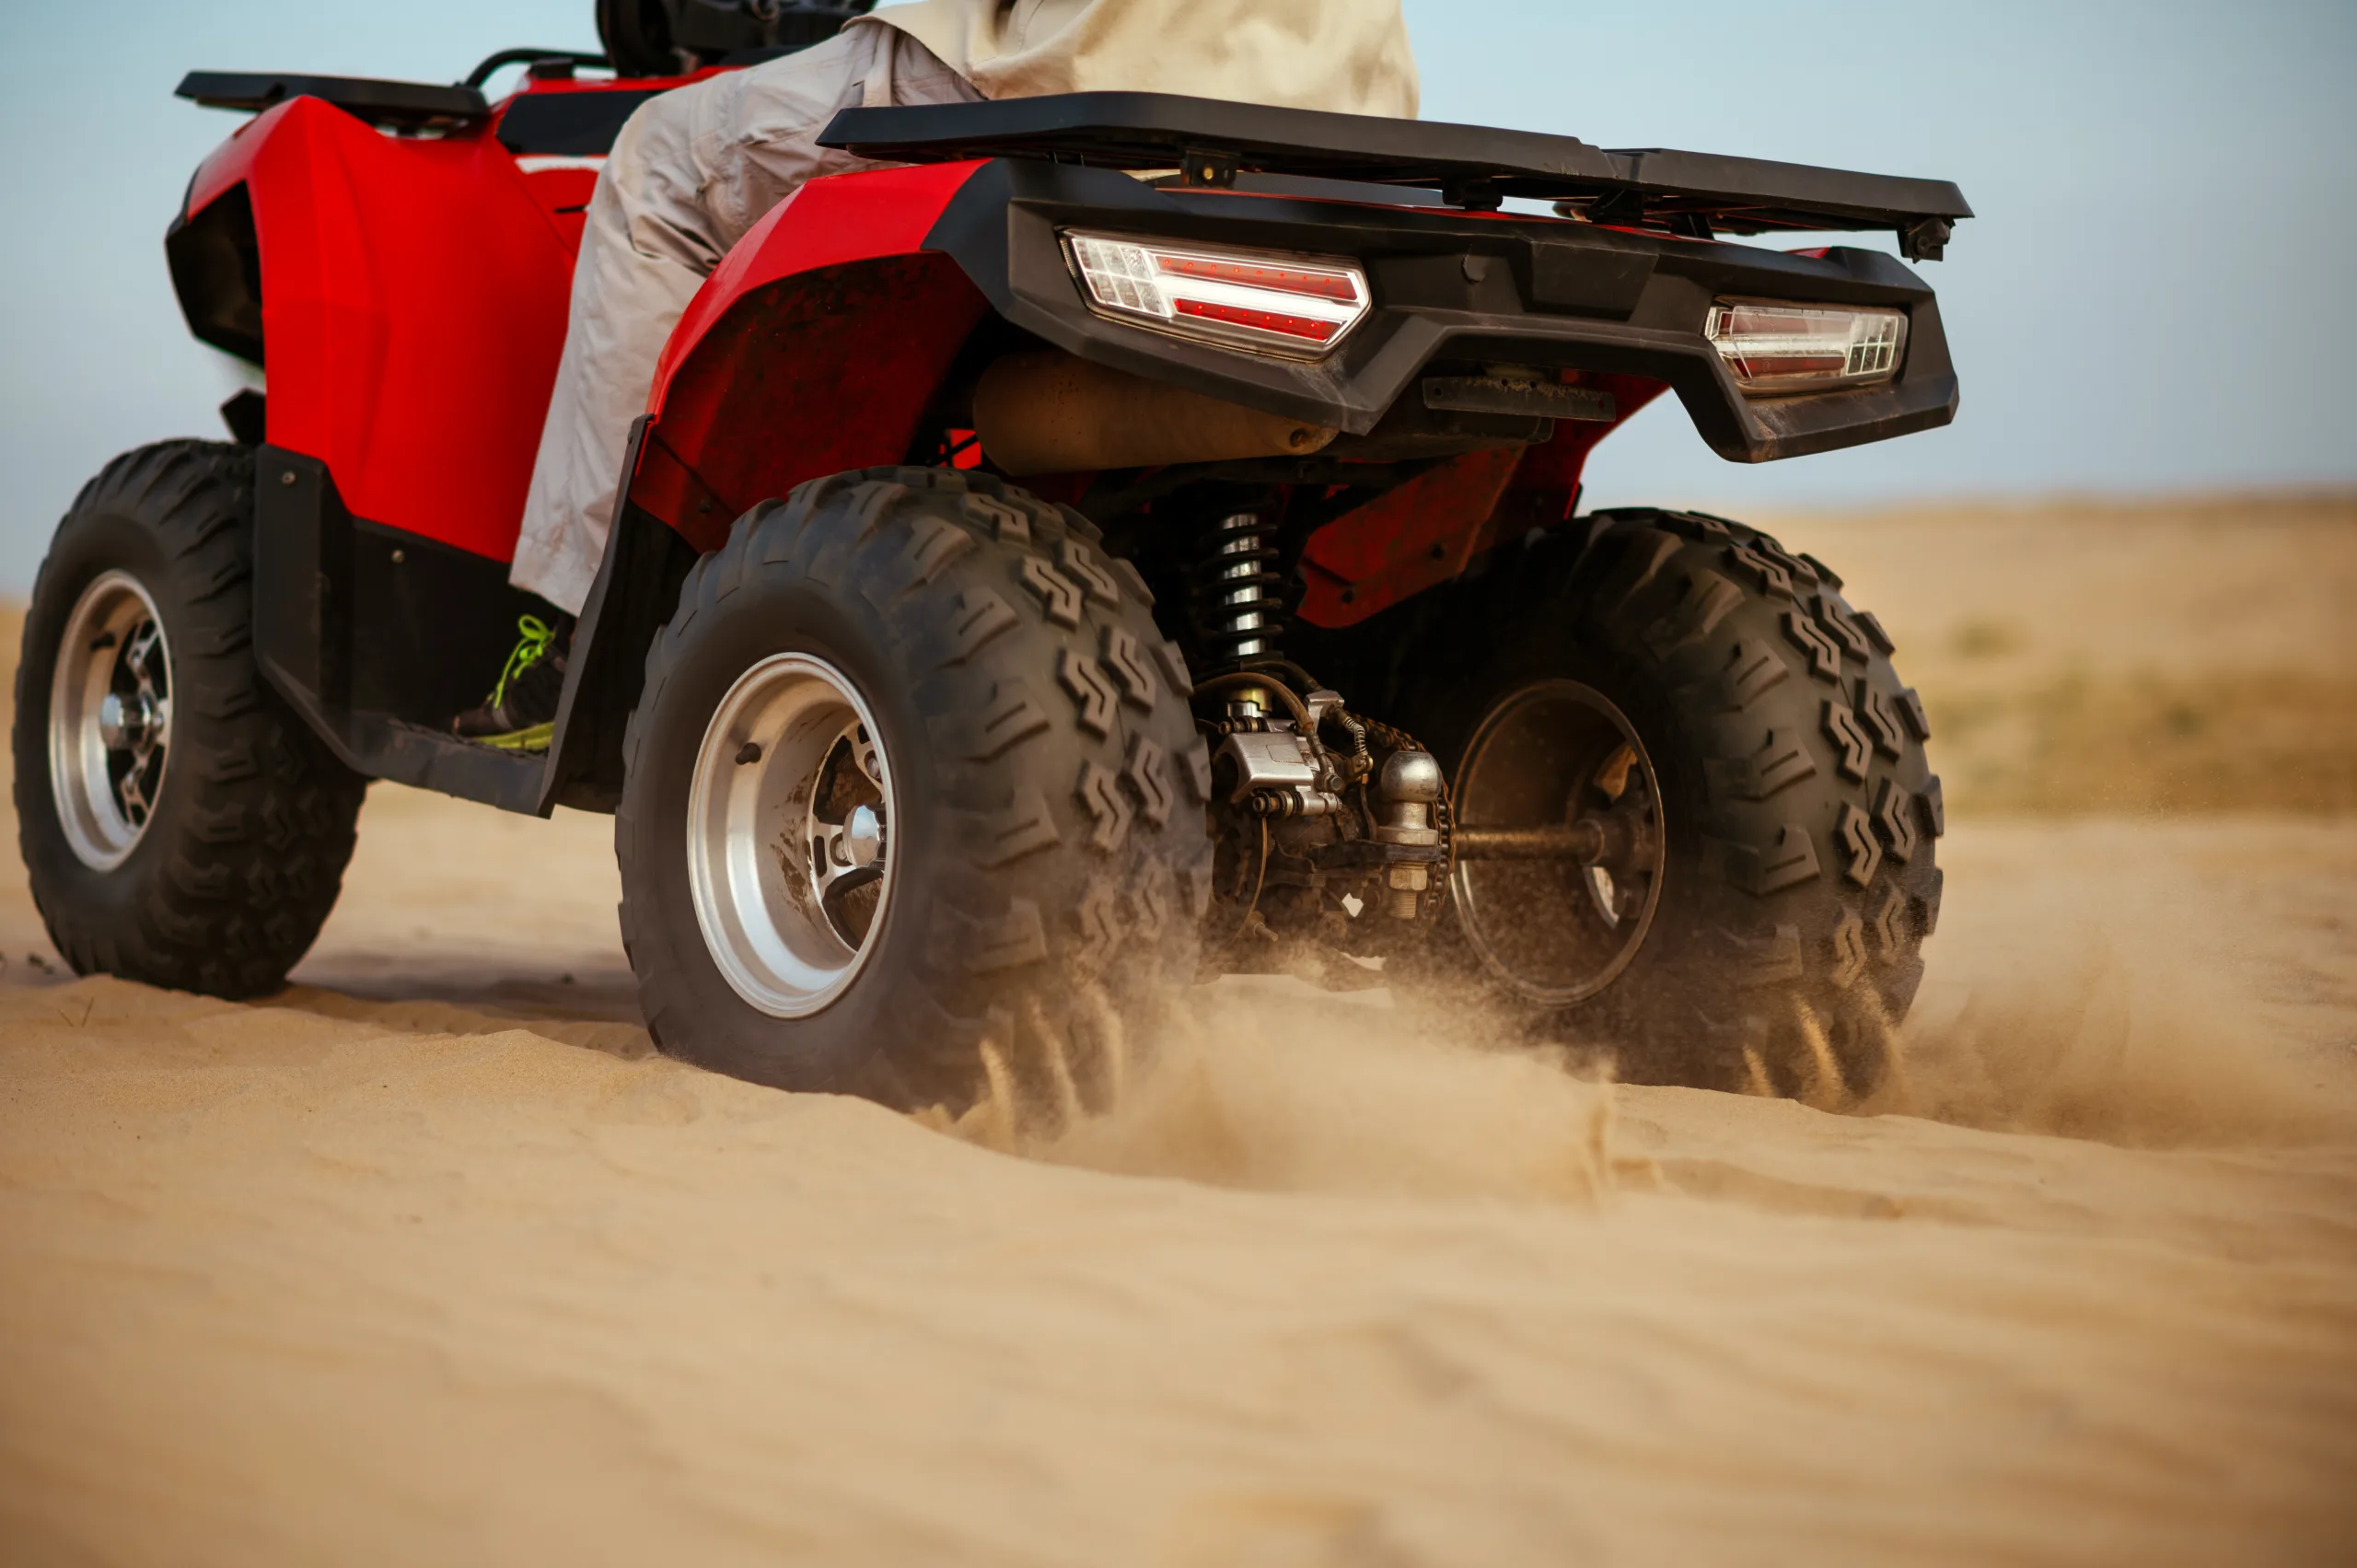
(1123, 539)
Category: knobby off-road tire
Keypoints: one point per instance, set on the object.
(240, 855)
(1048, 850)
(1800, 814)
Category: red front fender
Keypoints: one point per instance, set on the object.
(412, 305)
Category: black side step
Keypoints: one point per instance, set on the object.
(386, 748)
(376, 636)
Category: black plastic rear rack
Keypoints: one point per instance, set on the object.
(1211, 142)
(402, 106)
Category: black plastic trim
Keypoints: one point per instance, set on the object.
(1449, 287)
(637, 587)
(493, 63)
(570, 124)
(332, 634)
(1476, 164)
(215, 258)
(406, 106)
(245, 412)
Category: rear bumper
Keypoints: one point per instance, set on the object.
(1450, 286)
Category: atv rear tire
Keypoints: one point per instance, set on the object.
(204, 852)
(1797, 815)
(1037, 788)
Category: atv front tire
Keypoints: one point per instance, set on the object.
(913, 803)
(1773, 939)
(180, 825)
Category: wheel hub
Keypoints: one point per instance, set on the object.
(789, 840)
(110, 719)
(859, 841)
(125, 722)
(1560, 844)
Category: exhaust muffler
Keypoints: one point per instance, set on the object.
(1055, 412)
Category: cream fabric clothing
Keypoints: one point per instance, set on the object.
(1350, 56)
(691, 172)
(695, 168)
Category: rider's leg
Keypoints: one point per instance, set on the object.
(646, 247)
(691, 173)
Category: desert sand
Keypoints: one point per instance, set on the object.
(431, 1259)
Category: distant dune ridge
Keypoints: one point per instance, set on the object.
(432, 1259)
(2080, 657)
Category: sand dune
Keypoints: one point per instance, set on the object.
(2195, 654)
(430, 1259)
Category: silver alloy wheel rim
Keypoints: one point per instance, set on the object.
(1551, 753)
(790, 816)
(110, 720)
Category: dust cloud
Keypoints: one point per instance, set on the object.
(2083, 986)
(2055, 1008)
(1256, 1082)
(2110, 1034)
(2071, 1005)
(2140, 1030)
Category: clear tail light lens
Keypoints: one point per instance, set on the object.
(1262, 302)
(1805, 348)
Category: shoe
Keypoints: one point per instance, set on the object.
(520, 712)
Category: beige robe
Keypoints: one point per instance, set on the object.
(1350, 56)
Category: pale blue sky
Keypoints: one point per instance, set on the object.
(2153, 298)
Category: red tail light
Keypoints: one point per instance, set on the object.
(1296, 306)
(1773, 347)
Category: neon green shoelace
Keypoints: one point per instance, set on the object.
(537, 638)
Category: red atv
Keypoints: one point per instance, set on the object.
(948, 671)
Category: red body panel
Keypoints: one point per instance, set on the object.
(413, 304)
(1405, 540)
(1430, 530)
(814, 348)
(564, 194)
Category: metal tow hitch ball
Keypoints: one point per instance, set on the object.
(1409, 785)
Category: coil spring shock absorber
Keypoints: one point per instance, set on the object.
(1238, 608)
